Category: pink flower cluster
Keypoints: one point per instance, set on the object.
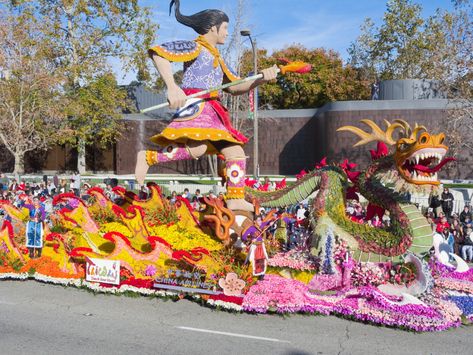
(340, 252)
(447, 278)
(364, 274)
(293, 259)
(281, 295)
(439, 269)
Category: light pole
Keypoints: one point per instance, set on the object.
(247, 33)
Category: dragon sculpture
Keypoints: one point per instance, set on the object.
(411, 166)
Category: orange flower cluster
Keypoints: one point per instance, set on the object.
(47, 266)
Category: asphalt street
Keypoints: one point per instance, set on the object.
(37, 318)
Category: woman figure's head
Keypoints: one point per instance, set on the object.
(201, 22)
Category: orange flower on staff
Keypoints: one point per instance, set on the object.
(294, 67)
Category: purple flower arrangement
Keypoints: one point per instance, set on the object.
(465, 303)
(280, 295)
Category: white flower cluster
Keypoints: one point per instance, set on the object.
(57, 281)
(226, 305)
(14, 276)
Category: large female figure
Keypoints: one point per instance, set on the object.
(205, 126)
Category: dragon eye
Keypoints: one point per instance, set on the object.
(442, 140)
(424, 138)
(402, 146)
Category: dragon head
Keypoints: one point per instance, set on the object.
(418, 155)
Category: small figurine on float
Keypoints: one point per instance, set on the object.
(204, 126)
(34, 228)
(257, 255)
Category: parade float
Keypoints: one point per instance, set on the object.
(228, 259)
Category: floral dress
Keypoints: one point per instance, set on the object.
(206, 119)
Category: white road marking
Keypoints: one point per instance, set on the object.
(233, 334)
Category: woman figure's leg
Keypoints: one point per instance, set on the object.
(235, 167)
(172, 152)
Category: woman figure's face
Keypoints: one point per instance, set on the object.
(222, 33)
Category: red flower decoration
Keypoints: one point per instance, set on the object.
(322, 163)
(301, 174)
(281, 185)
(381, 151)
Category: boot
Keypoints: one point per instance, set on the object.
(31, 253)
(147, 158)
(39, 250)
(236, 173)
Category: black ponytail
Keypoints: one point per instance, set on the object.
(200, 22)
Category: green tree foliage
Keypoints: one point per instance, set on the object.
(31, 97)
(86, 34)
(438, 47)
(328, 81)
(91, 104)
(408, 46)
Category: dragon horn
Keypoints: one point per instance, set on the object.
(377, 133)
(416, 130)
(405, 126)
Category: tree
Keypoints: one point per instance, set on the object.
(329, 80)
(31, 100)
(397, 47)
(439, 47)
(451, 34)
(86, 33)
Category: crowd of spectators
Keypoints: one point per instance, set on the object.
(455, 230)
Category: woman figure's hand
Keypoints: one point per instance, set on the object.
(270, 73)
(176, 97)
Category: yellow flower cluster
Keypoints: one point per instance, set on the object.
(116, 227)
(184, 238)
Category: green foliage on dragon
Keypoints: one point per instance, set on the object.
(410, 167)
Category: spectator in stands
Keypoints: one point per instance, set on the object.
(187, 194)
(467, 249)
(173, 197)
(447, 202)
(63, 186)
(465, 213)
(197, 194)
(13, 186)
(448, 238)
(442, 224)
(195, 204)
(76, 183)
(457, 232)
(51, 188)
(435, 204)
(3, 182)
(467, 224)
(143, 193)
